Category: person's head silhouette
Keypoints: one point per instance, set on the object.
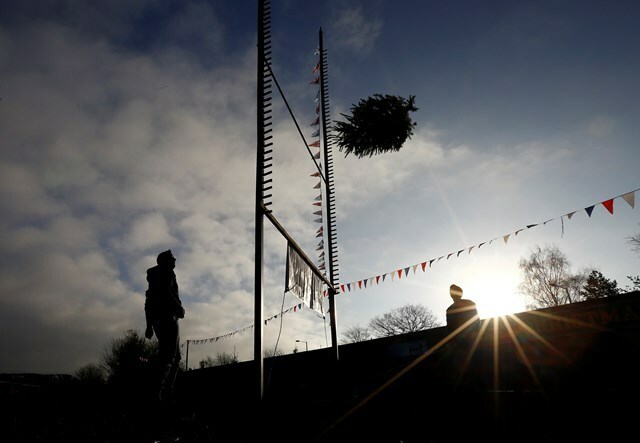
(456, 292)
(166, 259)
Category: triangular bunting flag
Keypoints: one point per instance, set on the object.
(315, 81)
(630, 198)
(531, 226)
(318, 198)
(431, 262)
(315, 174)
(506, 238)
(318, 212)
(423, 264)
(359, 284)
(349, 286)
(471, 249)
(450, 254)
(318, 220)
(316, 133)
(519, 230)
(406, 271)
(365, 283)
(315, 144)
(377, 279)
(316, 122)
(384, 276)
(317, 204)
(414, 269)
(316, 68)
(609, 205)
(589, 210)
(480, 245)
(458, 254)
(570, 214)
(317, 155)
(393, 276)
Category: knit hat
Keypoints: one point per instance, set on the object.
(455, 291)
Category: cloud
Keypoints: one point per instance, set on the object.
(354, 31)
(110, 157)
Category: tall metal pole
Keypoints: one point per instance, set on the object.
(330, 205)
(259, 227)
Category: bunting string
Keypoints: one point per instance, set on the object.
(628, 197)
(294, 308)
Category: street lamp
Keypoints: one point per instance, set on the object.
(306, 345)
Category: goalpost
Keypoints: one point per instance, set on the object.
(265, 81)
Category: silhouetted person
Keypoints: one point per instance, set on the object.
(461, 310)
(163, 309)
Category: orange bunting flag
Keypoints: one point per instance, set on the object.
(609, 205)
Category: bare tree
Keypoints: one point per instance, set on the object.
(355, 334)
(221, 359)
(407, 318)
(634, 241)
(91, 373)
(548, 280)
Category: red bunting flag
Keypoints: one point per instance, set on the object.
(399, 273)
(609, 205)
(315, 174)
(342, 286)
(315, 144)
(424, 265)
(315, 81)
(377, 279)
(359, 283)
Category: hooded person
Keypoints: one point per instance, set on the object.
(163, 308)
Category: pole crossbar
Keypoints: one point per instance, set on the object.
(269, 214)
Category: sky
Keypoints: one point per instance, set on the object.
(129, 127)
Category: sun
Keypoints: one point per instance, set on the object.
(495, 294)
